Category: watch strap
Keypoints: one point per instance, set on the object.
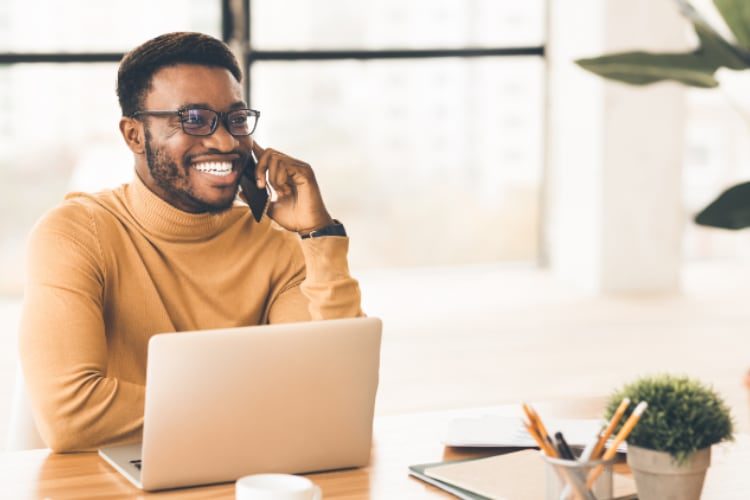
(334, 229)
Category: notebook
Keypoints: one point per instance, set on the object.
(507, 431)
(512, 476)
(418, 472)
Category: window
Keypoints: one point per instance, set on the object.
(429, 161)
(413, 114)
(88, 26)
(395, 24)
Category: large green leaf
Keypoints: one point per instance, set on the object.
(695, 68)
(716, 51)
(713, 47)
(736, 14)
(641, 68)
(731, 210)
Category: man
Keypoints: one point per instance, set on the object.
(175, 249)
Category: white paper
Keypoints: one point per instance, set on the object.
(498, 431)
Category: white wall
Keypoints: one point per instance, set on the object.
(614, 151)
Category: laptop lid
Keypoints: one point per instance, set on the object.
(296, 397)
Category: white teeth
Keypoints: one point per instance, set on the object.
(220, 168)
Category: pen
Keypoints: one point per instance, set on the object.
(619, 412)
(563, 448)
(627, 427)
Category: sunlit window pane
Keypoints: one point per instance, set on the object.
(428, 162)
(59, 133)
(98, 26)
(337, 24)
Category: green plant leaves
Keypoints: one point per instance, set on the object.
(731, 210)
(736, 14)
(683, 415)
(642, 68)
(695, 68)
(715, 52)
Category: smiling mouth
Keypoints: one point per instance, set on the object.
(217, 168)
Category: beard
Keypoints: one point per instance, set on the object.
(175, 181)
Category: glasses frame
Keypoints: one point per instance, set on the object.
(223, 117)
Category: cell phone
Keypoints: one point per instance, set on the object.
(257, 199)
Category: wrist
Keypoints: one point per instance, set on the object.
(319, 226)
(333, 228)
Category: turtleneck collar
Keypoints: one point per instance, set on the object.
(169, 222)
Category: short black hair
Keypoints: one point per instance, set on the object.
(139, 65)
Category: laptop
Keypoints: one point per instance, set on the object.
(221, 404)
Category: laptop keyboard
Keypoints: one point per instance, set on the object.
(136, 463)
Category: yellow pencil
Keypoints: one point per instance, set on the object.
(621, 436)
(610, 428)
(536, 422)
(528, 413)
(543, 445)
(530, 417)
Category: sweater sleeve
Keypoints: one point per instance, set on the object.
(327, 290)
(63, 344)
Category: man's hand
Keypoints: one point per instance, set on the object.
(299, 206)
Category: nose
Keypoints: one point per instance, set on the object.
(221, 139)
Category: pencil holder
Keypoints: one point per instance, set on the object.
(566, 479)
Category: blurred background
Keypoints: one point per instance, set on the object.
(484, 179)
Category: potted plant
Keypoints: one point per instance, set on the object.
(669, 450)
(731, 210)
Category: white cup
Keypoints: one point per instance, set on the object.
(276, 487)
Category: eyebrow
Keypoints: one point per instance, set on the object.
(191, 105)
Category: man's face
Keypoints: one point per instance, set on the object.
(179, 164)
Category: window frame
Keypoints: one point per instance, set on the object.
(235, 29)
(236, 18)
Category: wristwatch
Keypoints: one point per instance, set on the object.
(335, 229)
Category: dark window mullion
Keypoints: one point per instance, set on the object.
(333, 55)
(60, 57)
(227, 21)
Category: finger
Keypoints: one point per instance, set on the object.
(278, 174)
(257, 149)
(261, 167)
(260, 173)
(273, 195)
(301, 173)
(298, 173)
(272, 187)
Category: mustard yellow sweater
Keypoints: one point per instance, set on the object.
(107, 271)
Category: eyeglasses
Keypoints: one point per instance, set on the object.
(203, 121)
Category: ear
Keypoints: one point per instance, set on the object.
(133, 133)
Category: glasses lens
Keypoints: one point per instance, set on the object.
(241, 122)
(199, 121)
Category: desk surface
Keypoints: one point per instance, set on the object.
(399, 441)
